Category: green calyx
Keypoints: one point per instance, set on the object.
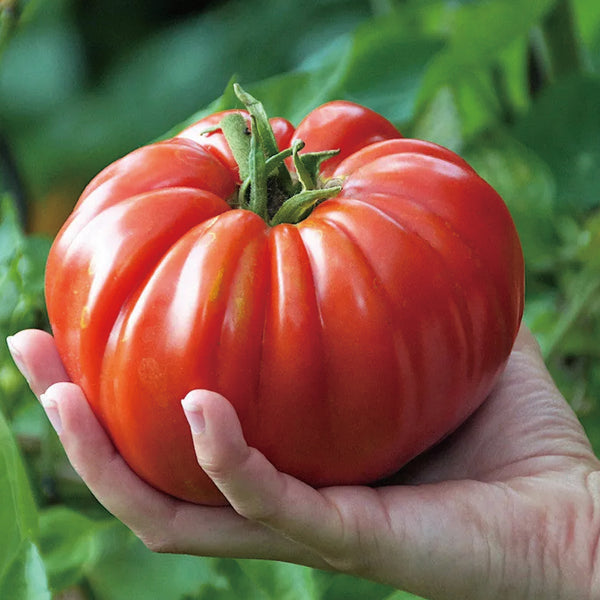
(268, 188)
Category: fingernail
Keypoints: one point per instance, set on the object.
(194, 415)
(17, 356)
(51, 408)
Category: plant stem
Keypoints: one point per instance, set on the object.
(588, 292)
(263, 132)
(267, 187)
(258, 177)
(234, 129)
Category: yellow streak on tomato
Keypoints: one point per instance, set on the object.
(215, 290)
(84, 321)
(240, 306)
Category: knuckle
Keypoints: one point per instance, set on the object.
(357, 550)
(256, 509)
(344, 560)
(262, 504)
(237, 479)
(161, 541)
(157, 544)
(224, 466)
(160, 535)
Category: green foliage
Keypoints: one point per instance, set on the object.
(568, 142)
(22, 571)
(474, 75)
(22, 260)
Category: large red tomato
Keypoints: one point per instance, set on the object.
(348, 342)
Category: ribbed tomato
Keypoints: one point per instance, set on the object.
(348, 342)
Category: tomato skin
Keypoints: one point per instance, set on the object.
(348, 343)
(345, 126)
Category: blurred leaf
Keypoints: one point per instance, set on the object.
(69, 544)
(587, 16)
(25, 578)
(477, 102)
(577, 326)
(582, 291)
(163, 79)
(386, 66)
(589, 251)
(22, 574)
(43, 65)
(527, 186)
(479, 32)
(484, 62)
(566, 320)
(18, 513)
(225, 101)
(22, 262)
(194, 59)
(344, 587)
(28, 421)
(258, 580)
(127, 570)
(268, 580)
(314, 83)
(513, 65)
(440, 121)
(563, 128)
(374, 66)
(280, 581)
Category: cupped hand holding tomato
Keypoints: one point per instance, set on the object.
(353, 294)
(504, 508)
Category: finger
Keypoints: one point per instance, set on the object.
(525, 341)
(162, 522)
(36, 356)
(94, 457)
(526, 367)
(253, 486)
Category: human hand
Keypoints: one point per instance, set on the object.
(506, 507)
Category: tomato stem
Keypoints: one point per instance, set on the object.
(261, 128)
(268, 188)
(257, 176)
(237, 135)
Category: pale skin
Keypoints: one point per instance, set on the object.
(507, 507)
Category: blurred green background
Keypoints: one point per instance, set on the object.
(511, 85)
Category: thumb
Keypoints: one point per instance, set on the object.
(252, 485)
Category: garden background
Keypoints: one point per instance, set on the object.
(511, 85)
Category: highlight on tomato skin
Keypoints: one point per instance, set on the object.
(354, 306)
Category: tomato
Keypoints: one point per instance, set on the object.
(348, 340)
